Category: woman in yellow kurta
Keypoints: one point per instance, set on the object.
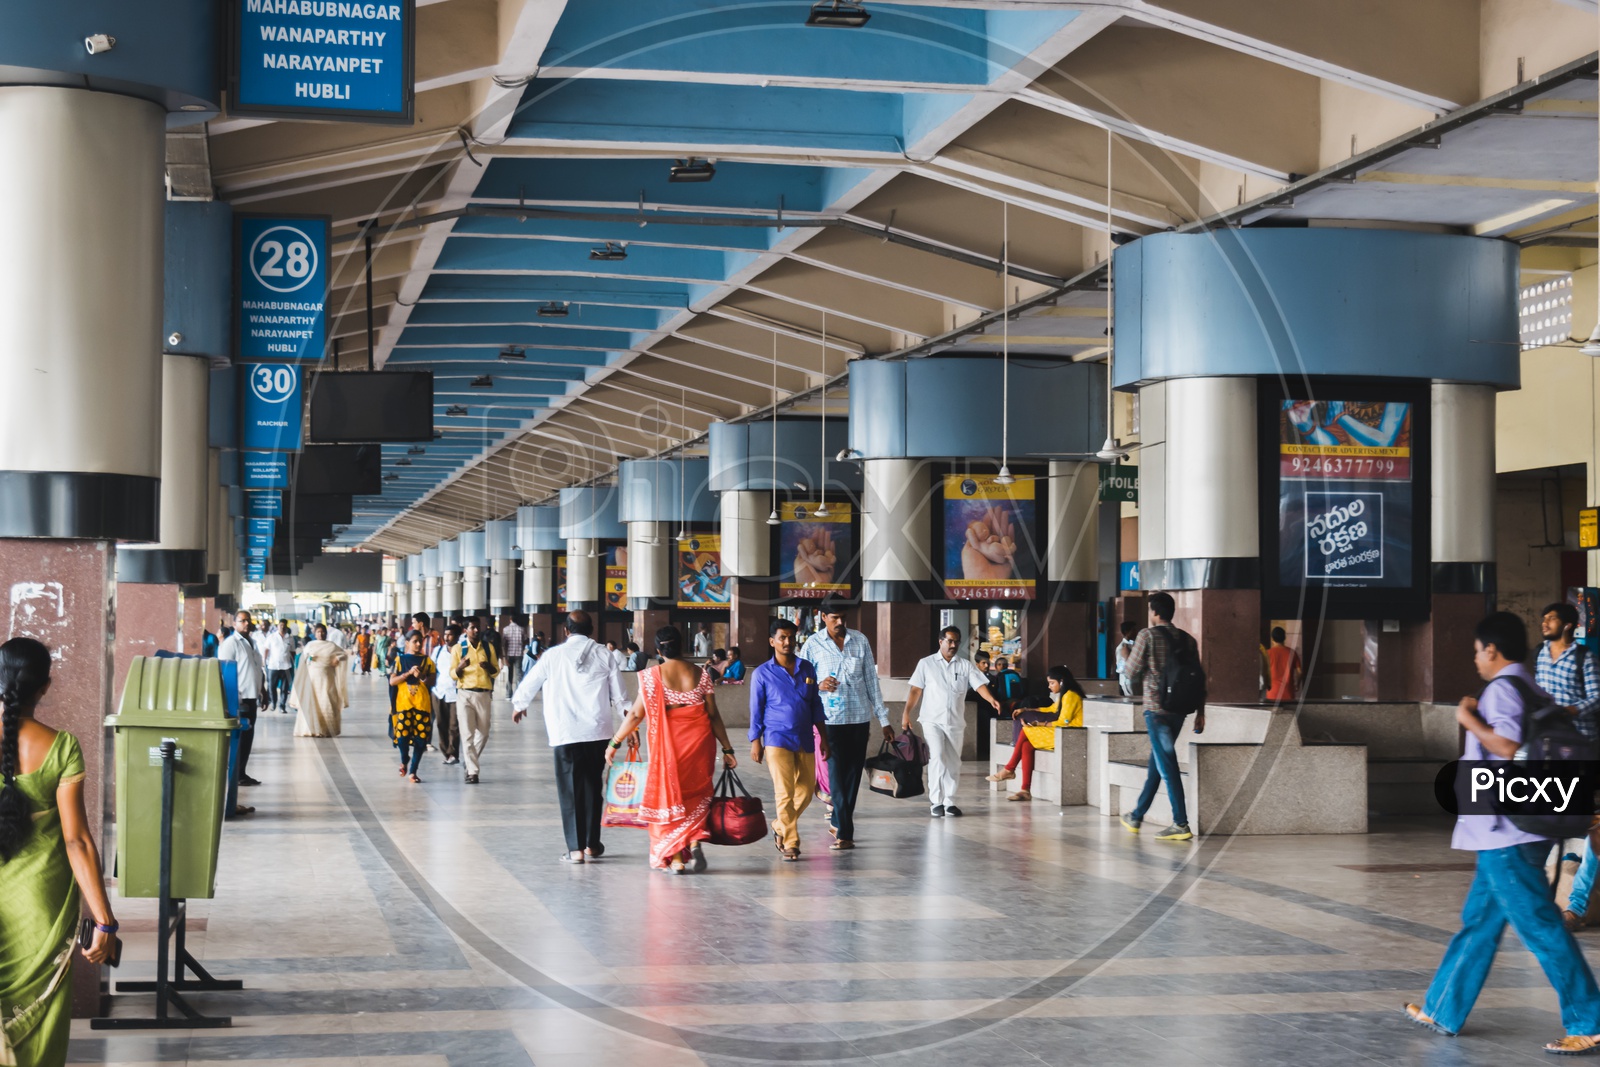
(411, 723)
(47, 856)
(1039, 733)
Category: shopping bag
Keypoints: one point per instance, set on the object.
(736, 817)
(892, 775)
(625, 789)
(908, 746)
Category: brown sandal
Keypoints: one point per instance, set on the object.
(1574, 1045)
(791, 854)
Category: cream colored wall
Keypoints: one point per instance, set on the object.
(1544, 34)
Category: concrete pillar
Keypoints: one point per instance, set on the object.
(474, 590)
(499, 536)
(894, 527)
(583, 573)
(179, 556)
(650, 561)
(746, 537)
(538, 580)
(433, 595)
(1060, 626)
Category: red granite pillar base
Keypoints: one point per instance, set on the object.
(63, 593)
(1059, 632)
(147, 620)
(645, 624)
(194, 612)
(905, 636)
(1429, 661)
(542, 622)
(1227, 625)
(750, 618)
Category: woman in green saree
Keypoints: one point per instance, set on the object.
(47, 855)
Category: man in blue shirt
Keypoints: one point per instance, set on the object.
(785, 710)
(847, 674)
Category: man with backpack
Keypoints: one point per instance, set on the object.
(1510, 884)
(1566, 670)
(1167, 661)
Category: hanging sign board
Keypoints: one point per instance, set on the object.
(987, 537)
(281, 265)
(1119, 484)
(263, 505)
(264, 527)
(814, 550)
(345, 60)
(271, 414)
(1589, 528)
(265, 471)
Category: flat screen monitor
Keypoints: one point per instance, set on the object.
(344, 469)
(337, 510)
(382, 406)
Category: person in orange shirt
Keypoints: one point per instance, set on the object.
(1284, 671)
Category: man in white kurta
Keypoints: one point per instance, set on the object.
(939, 687)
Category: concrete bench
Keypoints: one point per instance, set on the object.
(1060, 776)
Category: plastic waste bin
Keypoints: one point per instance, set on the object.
(180, 699)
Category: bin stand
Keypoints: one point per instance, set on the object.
(171, 923)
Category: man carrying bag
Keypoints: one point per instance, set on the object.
(1167, 661)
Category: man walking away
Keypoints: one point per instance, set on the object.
(785, 711)
(1167, 661)
(445, 696)
(279, 662)
(1509, 885)
(847, 674)
(514, 641)
(943, 679)
(582, 692)
(240, 649)
(1284, 673)
(473, 666)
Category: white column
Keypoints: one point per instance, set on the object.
(1074, 501)
(474, 593)
(1209, 504)
(746, 537)
(894, 521)
(502, 584)
(450, 593)
(1463, 473)
(583, 571)
(538, 578)
(649, 559)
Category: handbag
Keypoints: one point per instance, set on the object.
(735, 817)
(625, 789)
(892, 775)
(908, 746)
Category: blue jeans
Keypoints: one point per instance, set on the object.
(1583, 881)
(1510, 886)
(411, 750)
(1163, 730)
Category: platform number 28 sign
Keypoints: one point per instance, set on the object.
(283, 258)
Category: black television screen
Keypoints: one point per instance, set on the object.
(353, 469)
(372, 406)
(309, 507)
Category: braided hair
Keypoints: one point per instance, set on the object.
(24, 672)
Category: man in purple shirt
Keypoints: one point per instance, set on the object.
(1510, 884)
(785, 710)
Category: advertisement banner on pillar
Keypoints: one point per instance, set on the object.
(271, 409)
(988, 538)
(1345, 493)
(267, 505)
(701, 583)
(561, 583)
(263, 470)
(814, 550)
(282, 269)
(291, 59)
(616, 579)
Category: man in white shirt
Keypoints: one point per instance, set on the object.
(240, 649)
(582, 691)
(277, 652)
(702, 644)
(939, 685)
(444, 694)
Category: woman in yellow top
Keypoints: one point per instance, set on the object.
(411, 722)
(1066, 709)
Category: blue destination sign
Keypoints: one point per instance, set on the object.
(265, 471)
(271, 413)
(264, 505)
(263, 541)
(263, 527)
(282, 269)
(255, 572)
(323, 59)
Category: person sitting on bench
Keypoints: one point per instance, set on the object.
(1036, 728)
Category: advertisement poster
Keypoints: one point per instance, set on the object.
(1345, 493)
(814, 550)
(988, 534)
(561, 583)
(616, 579)
(700, 580)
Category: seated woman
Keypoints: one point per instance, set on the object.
(1039, 734)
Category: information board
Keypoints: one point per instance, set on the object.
(267, 505)
(814, 551)
(260, 526)
(1345, 493)
(281, 264)
(271, 412)
(701, 583)
(323, 59)
(988, 534)
(263, 470)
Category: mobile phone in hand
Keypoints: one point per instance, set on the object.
(86, 941)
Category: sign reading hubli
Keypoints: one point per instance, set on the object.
(330, 59)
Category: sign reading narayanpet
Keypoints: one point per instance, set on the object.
(326, 59)
(1345, 493)
(282, 272)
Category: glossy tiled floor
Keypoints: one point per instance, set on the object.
(378, 922)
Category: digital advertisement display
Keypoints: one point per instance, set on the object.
(988, 531)
(700, 580)
(1345, 493)
(814, 551)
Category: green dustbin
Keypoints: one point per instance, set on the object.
(180, 699)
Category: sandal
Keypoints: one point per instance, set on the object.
(1574, 1045)
(1021, 794)
(1573, 921)
(1414, 1013)
(842, 846)
(402, 770)
(1002, 775)
(415, 780)
(791, 854)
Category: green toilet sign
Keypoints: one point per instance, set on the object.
(1119, 482)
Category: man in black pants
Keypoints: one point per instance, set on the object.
(582, 692)
(252, 686)
(847, 675)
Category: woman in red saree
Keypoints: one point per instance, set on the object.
(682, 726)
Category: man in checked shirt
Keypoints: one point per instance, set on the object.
(1566, 670)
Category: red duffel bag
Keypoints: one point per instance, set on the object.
(736, 817)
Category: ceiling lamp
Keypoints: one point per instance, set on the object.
(692, 170)
(456, 409)
(415, 450)
(402, 462)
(391, 477)
(553, 310)
(773, 520)
(610, 252)
(482, 381)
(512, 352)
(838, 14)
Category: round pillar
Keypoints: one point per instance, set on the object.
(538, 579)
(746, 538)
(179, 557)
(433, 595)
(450, 593)
(474, 589)
(500, 535)
(80, 309)
(1463, 478)
(649, 562)
(1073, 553)
(583, 571)
(894, 526)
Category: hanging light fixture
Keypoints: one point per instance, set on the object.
(1004, 477)
(772, 519)
(1112, 451)
(822, 506)
(654, 540)
(683, 418)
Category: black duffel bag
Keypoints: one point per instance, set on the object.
(893, 775)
